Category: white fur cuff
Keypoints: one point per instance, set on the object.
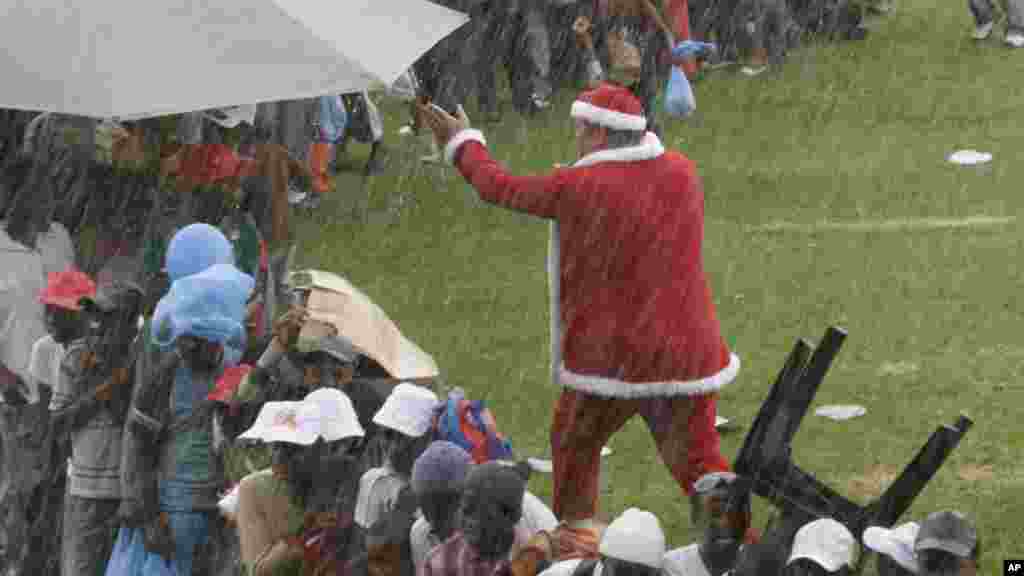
(607, 118)
(610, 387)
(463, 136)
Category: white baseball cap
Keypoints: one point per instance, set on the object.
(896, 543)
(409, 410)
(635, 537)
(338, 419)
(826, 542)
(288, 422)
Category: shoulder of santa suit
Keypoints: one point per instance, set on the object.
(649, 149)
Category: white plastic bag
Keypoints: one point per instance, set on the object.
(679, 99)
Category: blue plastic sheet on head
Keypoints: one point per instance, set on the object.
(195, 248)
(209, 305)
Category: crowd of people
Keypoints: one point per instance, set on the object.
(133, 383)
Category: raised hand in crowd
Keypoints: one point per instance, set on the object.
(288, 326)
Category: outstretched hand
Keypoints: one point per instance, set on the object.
(441, 123)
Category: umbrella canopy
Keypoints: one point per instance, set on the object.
(158, 57)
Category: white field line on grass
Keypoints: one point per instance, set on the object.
(901, 224)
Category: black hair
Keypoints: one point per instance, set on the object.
(938, 561)
(201, 356)
(886, 566)
(808, 567)
(64, 325)
(619, 567)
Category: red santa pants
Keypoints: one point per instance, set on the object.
(683, 428)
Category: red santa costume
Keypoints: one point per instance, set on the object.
(631, 306)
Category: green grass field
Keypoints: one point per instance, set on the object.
(849, 133)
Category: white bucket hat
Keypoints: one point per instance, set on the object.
(288, 422)
(896, 543)
(338, 419)
(409, 410)
(636, 537)
(827, 542)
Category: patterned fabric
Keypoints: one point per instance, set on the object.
(576, 543)
(95, 470)
(470, 425)
(457, 558)
(683, 430)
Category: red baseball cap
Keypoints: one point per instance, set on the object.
(65, 289)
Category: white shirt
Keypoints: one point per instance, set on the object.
(568, 567)
(21, 313)
(378, 494)
(44, 366)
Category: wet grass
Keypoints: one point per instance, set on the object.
(845, 133)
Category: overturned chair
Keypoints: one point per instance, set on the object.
(766, 466)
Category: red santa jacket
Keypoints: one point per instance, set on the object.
(634, 305)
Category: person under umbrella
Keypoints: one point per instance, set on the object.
(90, 403)
(199, 322)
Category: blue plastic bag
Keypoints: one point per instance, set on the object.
(130, 557)
(679, 99)
(689, 48)
(129, 554)
(156, 565)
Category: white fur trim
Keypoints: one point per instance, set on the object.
(607, 118)
(554, 281)
(460, 138)
(650, 148)
(611, 387)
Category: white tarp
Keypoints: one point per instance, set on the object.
(156, 57)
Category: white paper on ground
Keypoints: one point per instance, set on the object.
(970, 157)
(719, 421)
(547, 467)
(841, 412)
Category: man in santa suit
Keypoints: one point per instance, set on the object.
(632, 308)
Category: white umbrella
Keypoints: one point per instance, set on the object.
(155, 57)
